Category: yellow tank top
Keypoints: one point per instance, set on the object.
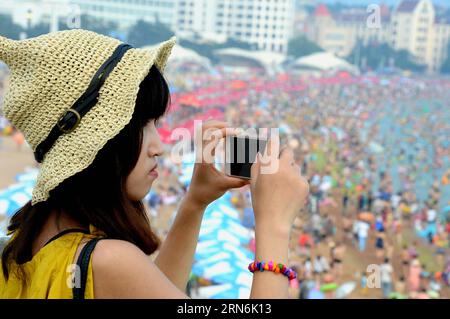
(49, 271)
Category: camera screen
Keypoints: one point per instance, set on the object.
(242, 152)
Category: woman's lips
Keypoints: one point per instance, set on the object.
(154, 172)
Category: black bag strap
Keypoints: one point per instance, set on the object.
(83, 266)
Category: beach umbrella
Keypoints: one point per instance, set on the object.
(223, 255)
(29, 176)
(14, 197)
(345, 289)
(226, 209)
(236, 251)
(315, 294)
(206, 244)
(328, 287)
(396, 295)
(237, 276)
(212, 225)
(223, 235)
(3, 240)
(225, 270)
(236, 292)
(219, 268)
(210, 291)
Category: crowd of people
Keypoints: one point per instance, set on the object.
(376, 152)
(377, 155)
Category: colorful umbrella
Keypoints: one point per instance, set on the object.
(315, 294)
(328, 287)
(236, 292)
(14, 197)
(345, 289)
(29, 176)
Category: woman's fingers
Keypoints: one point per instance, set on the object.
(211, 138)
(214, 124)
(234, 182)
(255, 170)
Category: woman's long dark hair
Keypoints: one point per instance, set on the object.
(97, 196)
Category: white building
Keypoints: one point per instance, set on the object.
(414, 25)
(268, 24)
(127, 12)
(124, 12)
(340, 33)
(26, 13)
(418, 29)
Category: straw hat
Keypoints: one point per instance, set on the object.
(50, 74)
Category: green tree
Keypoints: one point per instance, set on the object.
(207, 49)
(301, 46)
(8, 28)
(145, 33)
(98, 25)
(445, 68)
(37, 30)
(235, 43)
(378, 56)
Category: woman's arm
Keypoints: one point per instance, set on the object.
(176, 254)
(122, 270)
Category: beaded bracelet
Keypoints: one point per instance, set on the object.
(274, 267)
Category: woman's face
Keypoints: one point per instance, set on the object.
(140, 180)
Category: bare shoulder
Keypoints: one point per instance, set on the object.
(108, 252)
(122, 270)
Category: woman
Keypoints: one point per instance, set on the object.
(88, 105)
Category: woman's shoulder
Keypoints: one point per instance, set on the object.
(112, 253)
(123, 270)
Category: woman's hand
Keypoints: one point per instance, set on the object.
(277, 196)
(208, 184)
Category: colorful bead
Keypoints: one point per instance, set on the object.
(274, 267)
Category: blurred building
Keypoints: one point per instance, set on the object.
(267, 24)
(417, 28)
(124, 12)
(341, 32)
(127, 12)
(26, 13)
(413, 25)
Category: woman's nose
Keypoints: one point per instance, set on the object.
(156, 147)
